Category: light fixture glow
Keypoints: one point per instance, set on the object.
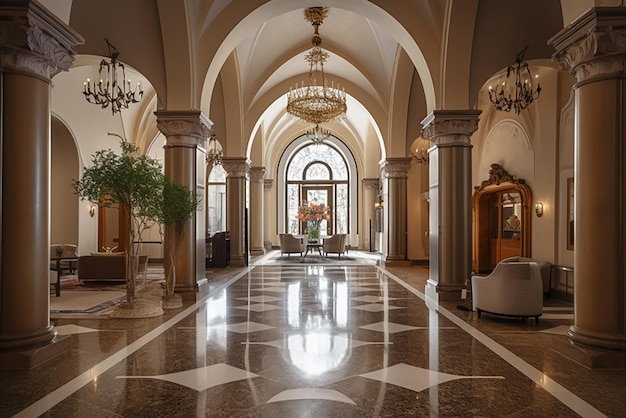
(521, 94)
(539, 209)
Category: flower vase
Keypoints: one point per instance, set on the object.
(314, 232)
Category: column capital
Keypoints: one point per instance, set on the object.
(268, 184)
(396, 167)
(372, 183)
(594, 44)
(450, 127)
(236, 167)
(257, 174)
(184, 128)
(35, 42)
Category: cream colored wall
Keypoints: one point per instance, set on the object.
(64, 204)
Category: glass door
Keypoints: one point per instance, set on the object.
(319, 195)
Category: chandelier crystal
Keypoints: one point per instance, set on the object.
(112, 89)
(507, 97)
(318, 134)
(316, 102)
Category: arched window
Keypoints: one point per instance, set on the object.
(318, 173)
(216, 200)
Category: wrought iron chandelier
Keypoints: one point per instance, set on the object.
(518, 96)
(316, 102)
(213, 154)
(112, 88)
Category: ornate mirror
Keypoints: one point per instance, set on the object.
(501, 219)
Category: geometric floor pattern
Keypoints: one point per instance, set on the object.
(291, 341)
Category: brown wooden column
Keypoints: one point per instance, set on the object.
(593, 48)
(185, 164)
(237, 170)
(450, 193)
(394, 175)
(35, 47)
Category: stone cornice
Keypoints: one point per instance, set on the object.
(450, 127)
(184, 128)
(396, 167)
(593, 45)
(236, 167)
(35, 42)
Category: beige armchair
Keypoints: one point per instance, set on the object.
(335, 244)
(291, 244)
(544, 266)
(512, 289)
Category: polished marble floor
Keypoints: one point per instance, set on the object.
(319, 340)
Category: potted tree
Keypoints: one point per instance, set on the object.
(133, 182)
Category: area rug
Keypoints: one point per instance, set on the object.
(80, 301)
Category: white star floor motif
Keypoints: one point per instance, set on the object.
(376, 307)
(390, 327)
(560, 330)
(245, 327)
(202, 378)
(311, 393)
(416, 378)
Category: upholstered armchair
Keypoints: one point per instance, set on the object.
(512, 289)
(290, 244)
(544, 266)
(335, 244)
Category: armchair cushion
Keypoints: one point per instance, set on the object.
(335, 244)
(291, 244)
(544, 266)
(512, 289)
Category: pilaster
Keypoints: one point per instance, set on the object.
(257, 204)
(371, 187)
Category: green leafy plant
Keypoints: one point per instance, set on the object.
(129, 180)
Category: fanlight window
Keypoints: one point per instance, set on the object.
(318, 173)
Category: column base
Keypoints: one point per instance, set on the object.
(591, 358)
(395, 261)
(31, 358)
(190, 292)
(449, 293)
(257, 251)
(238, 261)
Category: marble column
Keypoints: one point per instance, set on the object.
(34, 46)
(371, 188)
(237, 172)
(269, 205)
(394, 174)
(593, 48)
(186, 133)
(257, 204)
(450, 191)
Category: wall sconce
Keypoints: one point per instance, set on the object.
(539, 209)
(92, 210)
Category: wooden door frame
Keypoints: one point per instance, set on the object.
(499, 180)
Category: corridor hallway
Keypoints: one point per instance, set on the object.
(304, 340)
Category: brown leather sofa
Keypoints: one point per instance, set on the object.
(102, 266)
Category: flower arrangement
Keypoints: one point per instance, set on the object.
(313, 215)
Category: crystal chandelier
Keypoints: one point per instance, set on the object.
(113, 88)
(518, 96)
(315, 102)
(318, 134)
(213, 154)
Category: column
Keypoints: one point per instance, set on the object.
(35, 47)
(269, 204)
(394, 173)
(186, 133)
(450, 190)
(257, 203)
(593, 48)
(237, 170)
(371, 188)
